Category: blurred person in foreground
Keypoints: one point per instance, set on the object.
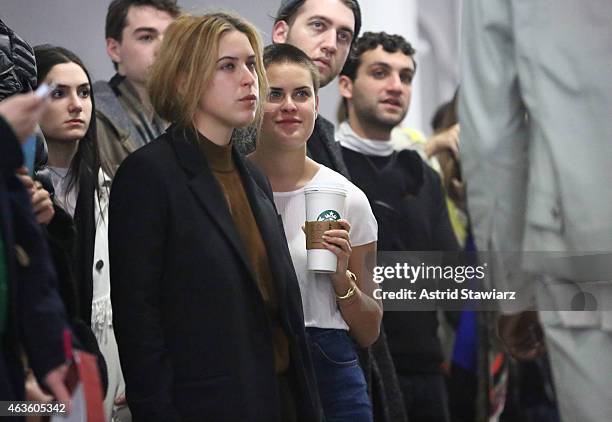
(32, 315)
(534, 110)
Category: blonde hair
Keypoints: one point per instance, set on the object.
(186, 62)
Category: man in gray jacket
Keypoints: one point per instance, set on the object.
(125, 118)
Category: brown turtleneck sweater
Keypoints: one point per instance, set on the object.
(222, 165)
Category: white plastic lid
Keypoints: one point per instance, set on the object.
(326, 188)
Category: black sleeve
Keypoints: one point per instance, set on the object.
(137, 220)
(40, 310)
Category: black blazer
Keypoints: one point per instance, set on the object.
(194, 339)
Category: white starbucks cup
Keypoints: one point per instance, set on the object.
(324, 202)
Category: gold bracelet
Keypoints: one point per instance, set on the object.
(352, 290)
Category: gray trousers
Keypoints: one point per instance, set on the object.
(581, 361)
(579, 344)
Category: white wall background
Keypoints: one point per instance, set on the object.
(430, 25)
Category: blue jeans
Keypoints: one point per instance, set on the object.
(341, 383)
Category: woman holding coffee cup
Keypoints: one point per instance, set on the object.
(339, 304)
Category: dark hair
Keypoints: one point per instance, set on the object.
(118, 11)
(445, 115)
(370, 41)
(450, 115)
(288, 9)
(86, 160)
(287, 53)
(116, 15)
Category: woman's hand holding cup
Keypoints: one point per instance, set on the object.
(338, 242)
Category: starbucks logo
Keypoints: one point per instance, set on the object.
(329, 215)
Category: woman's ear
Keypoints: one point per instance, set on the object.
(280, 32)
(316, 106)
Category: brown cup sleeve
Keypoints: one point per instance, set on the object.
(315, 230)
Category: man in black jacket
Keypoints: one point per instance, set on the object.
(407, 199)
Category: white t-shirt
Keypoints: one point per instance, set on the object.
(318, 296)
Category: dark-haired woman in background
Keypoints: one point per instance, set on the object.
(82, 191)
